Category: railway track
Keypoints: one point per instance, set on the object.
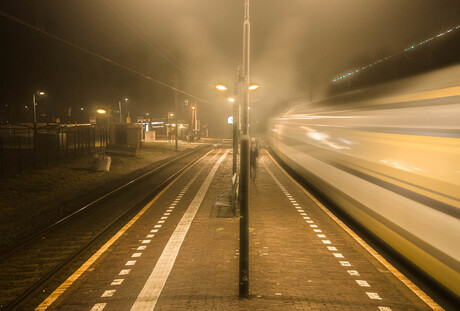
(30, 265)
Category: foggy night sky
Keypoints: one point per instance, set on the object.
(297, 47)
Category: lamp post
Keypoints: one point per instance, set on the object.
(41, 93)
(194, 121)
(35, 104)
(224, 88)
(108, 112)
(244, 163)
(119, 108)
(170, 119)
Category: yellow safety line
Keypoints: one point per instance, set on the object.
(67, 283)
(421, 294)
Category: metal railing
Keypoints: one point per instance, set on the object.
(21, 149)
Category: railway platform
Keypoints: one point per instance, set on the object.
(181, 253)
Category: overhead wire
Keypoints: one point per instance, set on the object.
(154, 44)
(48, 34)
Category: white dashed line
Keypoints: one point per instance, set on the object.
(374, 296)
(154, 230)
(124, 272)
(157, 226)
(108, 293)
(160, 222)
(146, 241)
(353, 272)
(141, 248)
(135, 255)
(362, 283)
(98, 307)
(117, 282)
(130, 263)
(150, 293)
(149, 236)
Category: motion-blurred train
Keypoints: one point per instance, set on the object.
(388, 156)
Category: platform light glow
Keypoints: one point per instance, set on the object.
(221, 87)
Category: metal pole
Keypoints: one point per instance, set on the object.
(244, 166)
(235, 125)
(175, 115)
(35, 132)
(57, 146)
(67, 144)
(244, 220)
(196, 120)
(35, 111)
(2, 156)
(19, 154)
(119, 108)
(168, 129)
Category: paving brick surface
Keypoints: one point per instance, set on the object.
(292, 267)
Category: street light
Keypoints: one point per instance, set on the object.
(101, 111)
(119, 109)
(253, 87)
(35, 104)
(170, 125)
(231, 99)
(35, 125)
(194, 121)
(221, 87)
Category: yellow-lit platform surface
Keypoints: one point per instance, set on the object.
(181, 253)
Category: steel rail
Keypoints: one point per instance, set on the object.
(136, 206)
(7, 253)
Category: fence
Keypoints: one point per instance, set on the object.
(20, 149)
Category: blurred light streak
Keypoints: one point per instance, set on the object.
(401, 166)
(388, 57)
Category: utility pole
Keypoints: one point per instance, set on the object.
(176, 114)
(35, 131)
(244, 165)
(235, 123)
(119, 110)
